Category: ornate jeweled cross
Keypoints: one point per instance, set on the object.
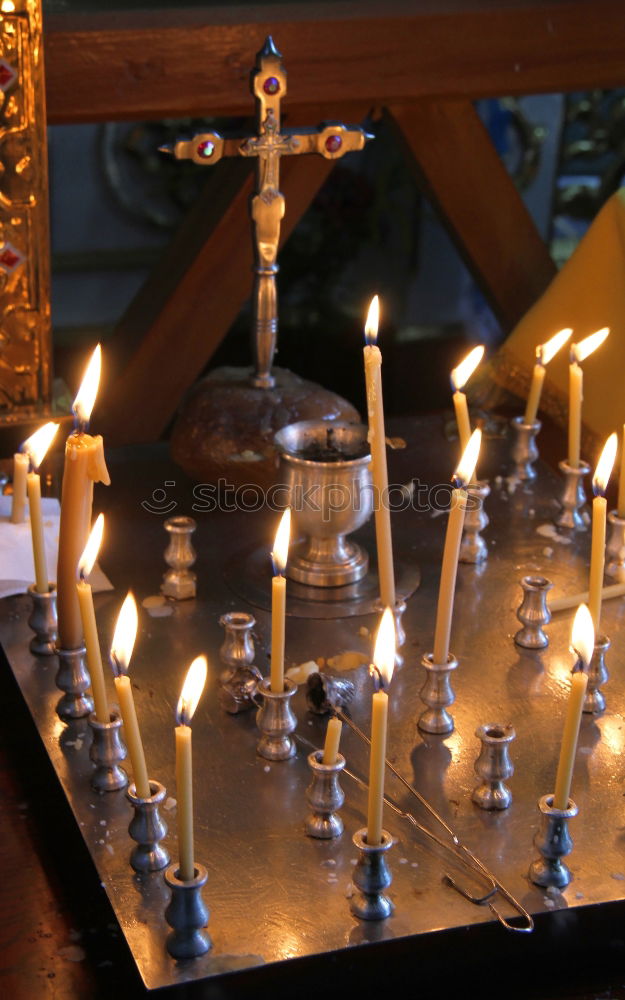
(267, 205)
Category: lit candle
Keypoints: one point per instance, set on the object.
(579, 352)
(35, 449)
(121, 651)
(544, 354)
(382, 671)
(187, 704)
(377, 445)
(582, 641)
(18, 503)
(599, 513)
(620, 507)
(453, 537)
(459, 378)
(279, 557)
(333, 738)
(87, 614)
(84, 466)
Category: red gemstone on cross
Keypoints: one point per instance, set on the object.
(206, 149)
(7, 73)
(333, 143)
(271, 85)
(9, 259)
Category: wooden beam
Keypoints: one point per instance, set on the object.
(460, 171)
(149, 64)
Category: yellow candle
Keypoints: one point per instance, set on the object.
(84, 465)
(278, 602)
(620, 507)
(382, 671)
(191, 692)
(579, 352)
(35, 450)
(544, 354)
(599, 513)
(377, 445)
(20, 471)
(459, 378)
(333, 738)
(121, 652)
(453, 537)
(583, 640)
(564, 603)
(90, 629)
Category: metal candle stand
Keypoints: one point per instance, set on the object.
(276, 721)
(524, 450)
(493, 766)
(187, 914)
(324, 796)
(615, 549)
(107, 751)
(554, 843)
(147, 829)
(573, 497)
(437, 694)
(73, 679)
(594, 701)
(371, 877)
(241, 678)
(43, 621)
(533, 612)
(473, 548)
(179, 581)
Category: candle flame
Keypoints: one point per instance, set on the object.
(373, 321)
(579, 352)
(7, 7)
(463, 372)
(36, 446)
(605, 466)
(280, 550)
(583, 635)
(124, 635)
(466, 465)
(191, 691)
(547, 352)
(384, 650)
(83, 404)
(91, 549)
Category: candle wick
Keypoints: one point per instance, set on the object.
(457, 482)
(578, 666)
(378, 679)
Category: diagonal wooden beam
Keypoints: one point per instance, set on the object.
(458, 167)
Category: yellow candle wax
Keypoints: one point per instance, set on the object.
(18, 503)
(33, 486)
(132, 735)
(333, 738)
(533, 400)
(597, 559)
(576, 382)
(377, 763)
(278, 618)
(579, 683)
(449, 569)
(620, 507)
(184, 797)
(462, 418)
(94, 657)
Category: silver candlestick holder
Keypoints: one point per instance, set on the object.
(324, 796)
(573, 497)
(473, 548)
(43, 621)
(533, 612)
(241, 678)
(107, 751)
(147, 828)
(179, 581)
(276, 721)
(187, 914)
(615, 549)
(437, 694)
(73, 679)
(524, 450)
(494, 766)
(371, 877)
(554, 843)
(594, 700)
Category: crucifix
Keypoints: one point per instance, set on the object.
(331, 140)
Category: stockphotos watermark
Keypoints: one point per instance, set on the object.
(326, 500)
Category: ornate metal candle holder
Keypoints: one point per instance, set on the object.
(147, 829)
(371, 877)
(524, 450)
(554, 843)
(179, 581)
(187, 914)
(437, 694)
(276, 721)
(73, 679)
(493, 766)
(43, 622)
(473, 548)
(325, 693)
(241, 678)
(573, 497)
(533, 612)
(106, 752)
(615, 549)
(324, 796)
(598, 675)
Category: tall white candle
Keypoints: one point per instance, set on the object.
(579, 353)
(121, 652)
(35, 449)
(191, 691)
(18, 503)
(459, 378)
(582, 641)
(279, 557)
(90, 629)
(382, 672)
(544, 354)
(599, 514)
